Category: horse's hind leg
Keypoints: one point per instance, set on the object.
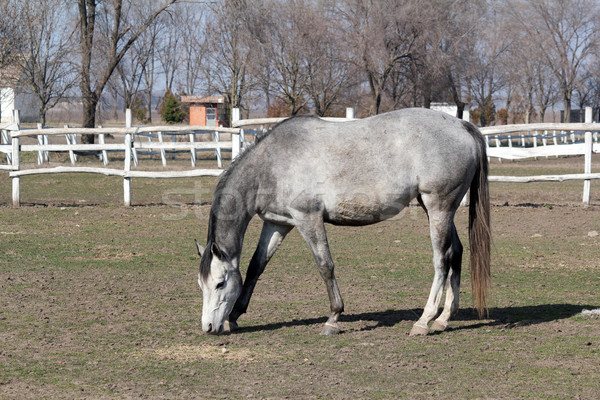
(452, 285)
(312, 230)
(270, 238)
(442, 232)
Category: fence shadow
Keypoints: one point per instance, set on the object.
(507, 317)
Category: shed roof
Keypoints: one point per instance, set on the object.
(203, 99)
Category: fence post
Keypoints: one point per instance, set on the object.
(129, 124)
(128, 118)
(6, 140)
(217, 139)
(40, 140)
(163, 153)
(235, 145)
(16, 181)
(588, 115)
(193, 149)
(126, 169)
(587, 169)
(236, 138)
(104, 153)
(71, 140)
(235, 115)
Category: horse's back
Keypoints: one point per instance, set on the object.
(411, 141)
(373, 166)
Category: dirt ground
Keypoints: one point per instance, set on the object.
(100, 302)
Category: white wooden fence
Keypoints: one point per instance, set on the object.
(129, 146)
(546, 140)
(504, 142)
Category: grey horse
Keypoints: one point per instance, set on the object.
(307, 172)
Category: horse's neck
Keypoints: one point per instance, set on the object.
(229, 234)
(233, 214)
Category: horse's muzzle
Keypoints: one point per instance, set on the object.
(212, 330)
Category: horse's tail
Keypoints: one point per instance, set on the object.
(479, 226)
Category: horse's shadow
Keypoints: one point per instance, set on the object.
(508, 317)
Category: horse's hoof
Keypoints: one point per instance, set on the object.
(438, 326)
(330, 329)
(230, 326)
(418, 330)
(233, 326)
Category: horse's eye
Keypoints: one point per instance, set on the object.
(220, 285)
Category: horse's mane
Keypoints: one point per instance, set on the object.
(248, 149)
(222, 184)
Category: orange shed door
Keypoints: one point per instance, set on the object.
(197, 115)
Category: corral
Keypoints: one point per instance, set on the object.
(101, 301)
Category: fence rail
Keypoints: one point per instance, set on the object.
(129, 146)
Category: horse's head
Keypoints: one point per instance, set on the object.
(221, 284)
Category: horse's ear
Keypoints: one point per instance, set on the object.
(216, 251)
(200, 248)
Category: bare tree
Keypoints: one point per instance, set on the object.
(381, 35)
(488, 78)
(327, 68)
(193, 48)
(530, 75)
(167, 48)
(594, 83)
(230, 51)
(527, 68)
(150, 40)
(121, 34)
(584, 92)
(485, 83)
(546, 89)
(520, 67)
(285, 48)
(46, 63)
(301, 61)
(130, 73)
(402, 87)
(567, 34)
(10, 45)
(11, 40)
(450, 32)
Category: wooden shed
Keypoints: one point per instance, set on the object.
(207, 110)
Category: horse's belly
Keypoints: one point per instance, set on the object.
(363, 210)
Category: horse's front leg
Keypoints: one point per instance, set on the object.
(312, 229)
(270, 238)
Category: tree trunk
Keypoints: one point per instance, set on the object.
(149, 119)
(42, 111)
(377, 96)
(460, 109)
(542, 114)
(460, 105)
(89, 117)
(567, 104)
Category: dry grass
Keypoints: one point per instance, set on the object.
(101, 301)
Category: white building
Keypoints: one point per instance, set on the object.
(450, 109)
(15, 96)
